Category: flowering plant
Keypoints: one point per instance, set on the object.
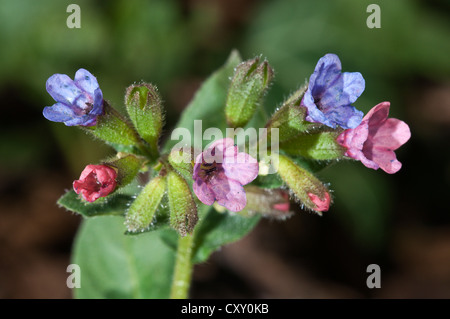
(174, 203)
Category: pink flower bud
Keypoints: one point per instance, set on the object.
(322, 204)
(96, 181)
(282, 206)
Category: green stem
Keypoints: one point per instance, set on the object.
(183, 268)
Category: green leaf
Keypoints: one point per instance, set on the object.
(113, 205)
(217, 229)
(208, 103)
(114, 265)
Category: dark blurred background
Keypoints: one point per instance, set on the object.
(400, 222)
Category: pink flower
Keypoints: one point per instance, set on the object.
(374, 141)
(96, 181)
(220, 172)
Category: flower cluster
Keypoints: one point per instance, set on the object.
(316, 122)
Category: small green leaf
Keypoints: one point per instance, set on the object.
(217, 229)
(114, 265)
(112, 205)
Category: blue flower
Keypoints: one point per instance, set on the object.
(330, 94)
(79, 101)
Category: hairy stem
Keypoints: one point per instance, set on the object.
(183, 268)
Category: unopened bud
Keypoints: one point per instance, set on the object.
(102, 180)
(96, 181)
(127, 166)
(272, 203)
(248, 85)
(113, 128)
(144, 107)
(182, 162)
(305, 186)
(183, 210)
(142, 211)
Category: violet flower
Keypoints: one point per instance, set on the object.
(374, 141)
(220, 172)
(96, 181)
(79, 101)
(330, 94)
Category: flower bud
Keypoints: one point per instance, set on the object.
(144, 107)
(183, 210)
(306, 187)
(289, 119)
(182, 162)
(317, 145)
(96, 181)
(102, 180)
(113, 128)
(127, 166)
(273, 203)
(249, 83)
(142, 211)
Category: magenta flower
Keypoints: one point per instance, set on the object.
(374, 141)
(79, 101)
(331, 92)
(220, 172)
(96, 181)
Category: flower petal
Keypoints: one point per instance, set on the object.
(86, 81)
(98, 102)
(215, 151)
(386, 160)
(345, 116)
(326, 73)
(204, 194)
(228, 192)
(354, 85)
(62, 89)
(241, 167)
(392, 134)
(58, 112)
